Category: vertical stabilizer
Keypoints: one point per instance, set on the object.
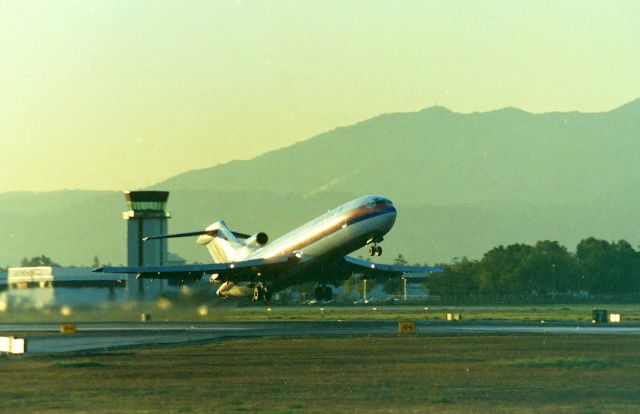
(223, 246)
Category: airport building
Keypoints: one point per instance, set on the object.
(43, 286)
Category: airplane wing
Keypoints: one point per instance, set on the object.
(247, 270)
(370, 270)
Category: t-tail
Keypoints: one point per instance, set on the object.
(224, 245)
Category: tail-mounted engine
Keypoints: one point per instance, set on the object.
(257, 240)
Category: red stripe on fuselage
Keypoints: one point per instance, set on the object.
(356, 214)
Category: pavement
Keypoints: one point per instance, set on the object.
(44, 338)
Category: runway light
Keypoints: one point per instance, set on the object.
(164, 303)
(426, 308)
(321, 309)
(268, 309)
(453, 316)
(203, 310)
(65, 311)
(375, 309)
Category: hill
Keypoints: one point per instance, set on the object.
(463, 183)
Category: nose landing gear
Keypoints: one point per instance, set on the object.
(375, 250)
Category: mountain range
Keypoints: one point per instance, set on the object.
(462, 183)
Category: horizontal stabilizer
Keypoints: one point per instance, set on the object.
(195, 233)
(189, 234)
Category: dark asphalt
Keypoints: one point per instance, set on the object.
(116, 335)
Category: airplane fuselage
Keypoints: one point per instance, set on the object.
(335, 234)
(338, 232)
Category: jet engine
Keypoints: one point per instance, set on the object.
(257, 240)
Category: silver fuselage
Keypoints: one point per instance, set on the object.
(333, 235)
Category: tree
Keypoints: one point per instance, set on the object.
(499, 272)
(38, 261)
(608, 268)
(400, 260)
(458, 278)
(592, 258)
(627, 267)
(548, 269)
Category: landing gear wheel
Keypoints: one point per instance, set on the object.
(262, 293)
(319, 294)
(266, 294)
(372, 250)
(379, 250)
(257, 294)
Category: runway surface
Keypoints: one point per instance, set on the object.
(46, 337)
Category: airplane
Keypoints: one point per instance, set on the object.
(249, 266)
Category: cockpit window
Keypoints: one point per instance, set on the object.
(378, 201)
(382, 201)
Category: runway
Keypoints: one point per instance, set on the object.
(91, 336)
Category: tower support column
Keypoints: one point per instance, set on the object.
(146, 217)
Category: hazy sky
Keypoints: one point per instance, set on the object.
(122, 94)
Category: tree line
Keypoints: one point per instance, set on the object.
(547, 269)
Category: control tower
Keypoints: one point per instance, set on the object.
(146, 217)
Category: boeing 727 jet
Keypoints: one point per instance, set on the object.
(249, 266)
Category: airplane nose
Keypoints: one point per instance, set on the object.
(391, 217)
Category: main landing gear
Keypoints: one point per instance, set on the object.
(375, 250)
(261, 293)
(324, 293)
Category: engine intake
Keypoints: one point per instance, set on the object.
(262, 238)
(257, 240)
